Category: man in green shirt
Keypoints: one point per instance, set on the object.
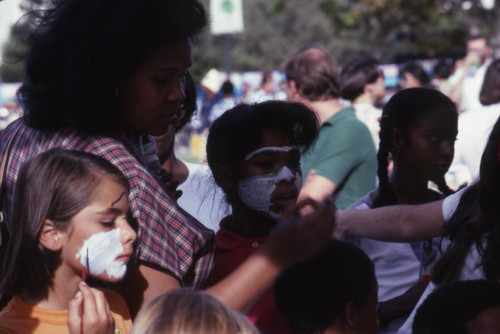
(342, 162)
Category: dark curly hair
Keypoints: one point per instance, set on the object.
(80, 51)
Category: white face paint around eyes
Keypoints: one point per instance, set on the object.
(255, 192)
(271, 149)
(103, 249)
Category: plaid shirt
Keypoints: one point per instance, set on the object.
(169, 237)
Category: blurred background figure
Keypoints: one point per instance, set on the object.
(413, 75)
(442, 72)
(266, 89)
(227, 102)
(362, 83)
(468, 78)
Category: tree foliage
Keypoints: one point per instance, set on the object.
(391, 30)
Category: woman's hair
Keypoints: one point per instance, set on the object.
(55, 185)
(355, 75)
(81, 51)
(418, 72)
(313, 294)
(184, 311)
(490, 90)
(448, 309)
(314, 72)
(190, 105)
(238, 130)
(476, 220)
(404, 109)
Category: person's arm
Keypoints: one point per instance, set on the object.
(293, 244)
(400, 223)
(316, 187)
(254, 276)
(400, 306)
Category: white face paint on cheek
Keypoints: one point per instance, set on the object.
(103, 249)
(255, 192)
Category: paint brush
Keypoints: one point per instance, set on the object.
(84, 279)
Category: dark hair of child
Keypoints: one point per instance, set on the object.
(403, 110)
(313, 294)
(448, 309)
(475, 222)
(238, 130)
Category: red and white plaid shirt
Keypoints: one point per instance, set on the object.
(169, 237)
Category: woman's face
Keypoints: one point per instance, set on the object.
(269, 177)
(99, 237)
(428, 146)
(151, 97)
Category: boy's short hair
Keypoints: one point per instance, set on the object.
(314, 293)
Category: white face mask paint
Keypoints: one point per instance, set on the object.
(103, 249)
(255, 192)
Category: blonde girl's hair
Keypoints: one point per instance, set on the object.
(184, 311)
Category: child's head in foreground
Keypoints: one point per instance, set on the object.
(70, 215)
(335, 290)
(184, 311)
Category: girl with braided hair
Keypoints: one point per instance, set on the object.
(417, 131)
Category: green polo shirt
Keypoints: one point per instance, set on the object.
(344, 153)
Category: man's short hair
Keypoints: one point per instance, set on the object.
(315, 73)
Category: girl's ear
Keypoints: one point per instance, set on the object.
(50, 236)
(224, 177)
(397, 141)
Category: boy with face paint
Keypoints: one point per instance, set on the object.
(254, 153)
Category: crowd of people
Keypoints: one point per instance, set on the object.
(317, 211)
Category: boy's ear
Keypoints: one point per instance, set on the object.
(50, 236)
(351, 315)
(224, 177)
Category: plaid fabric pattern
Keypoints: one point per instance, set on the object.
(169, 237)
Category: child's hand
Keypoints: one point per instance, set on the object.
(305, 238)
(97, 318)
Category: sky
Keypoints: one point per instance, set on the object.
(9, 13)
